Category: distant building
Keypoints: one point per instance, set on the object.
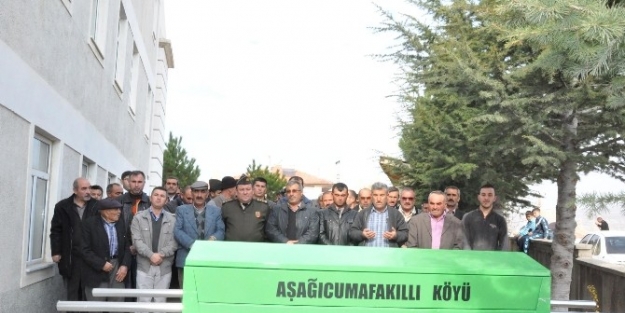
(314, 186)
(82, 93)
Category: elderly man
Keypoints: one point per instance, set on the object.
(245, 217)
(453, 198)
(197, 221)
(337, 219)
(436, 229)
(114, 190)
(66, 236)
(105, 250)
(393, 198)
(228, 192)
(364, 199)
(379, 226)
(153, 236)
(293, 221)
(406, 204)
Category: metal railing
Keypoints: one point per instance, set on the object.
(103, 306)
(121, 292)
(98, 306)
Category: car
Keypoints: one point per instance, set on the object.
(607, 245)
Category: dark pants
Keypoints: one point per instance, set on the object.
(131, 278)
(73, 284)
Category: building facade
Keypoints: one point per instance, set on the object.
(82, 93)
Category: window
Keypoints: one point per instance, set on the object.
(148, 116)
(99, 14)
(134, 76)
(39, 184)
(88, 169)
(122, 39)
(111, 179)
(85, 170)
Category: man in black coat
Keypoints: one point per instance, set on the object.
(337, 219)
(66, 236)
(106, 250)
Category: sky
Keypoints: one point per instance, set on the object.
(289, 83)
(293, 83)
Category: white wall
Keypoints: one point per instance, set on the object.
(55, 83)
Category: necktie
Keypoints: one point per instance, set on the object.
(112, 239)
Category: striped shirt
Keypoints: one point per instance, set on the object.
(378, 223)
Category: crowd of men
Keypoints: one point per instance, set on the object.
(134, 240)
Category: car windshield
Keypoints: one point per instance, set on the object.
(615, 245)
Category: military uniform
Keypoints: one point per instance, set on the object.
(245, 223)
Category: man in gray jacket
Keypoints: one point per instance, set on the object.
(153, 237)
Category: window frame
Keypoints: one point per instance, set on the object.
(34, 175)
(123, 27)
(98, 28)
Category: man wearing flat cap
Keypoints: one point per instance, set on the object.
(228, 191)
(245, 217)
(105, 250)
(196, 221)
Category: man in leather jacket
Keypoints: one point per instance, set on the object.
(337, 219)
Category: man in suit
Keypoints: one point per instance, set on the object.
(105, 250)
(196, 221)
(437, 229)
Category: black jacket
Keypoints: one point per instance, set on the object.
(127, 201)
(173, 204)
(95, 250)
(66, 232)
(334, 230)
(395, 220)
(307, 221)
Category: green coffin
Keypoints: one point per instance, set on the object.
(233, 277)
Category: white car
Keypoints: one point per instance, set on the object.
(607, 245)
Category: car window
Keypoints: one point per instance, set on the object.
(593, 240)
(596, 249)
(615, 245)
(586, 238)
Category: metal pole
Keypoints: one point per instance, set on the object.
(121, 292)
(574, 304)
(102, 306)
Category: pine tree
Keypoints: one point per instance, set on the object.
(450, 70)
(176, 163)
(523, 91)
(570, 99)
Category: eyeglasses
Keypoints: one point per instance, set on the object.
(407, 198)
(292, 191)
